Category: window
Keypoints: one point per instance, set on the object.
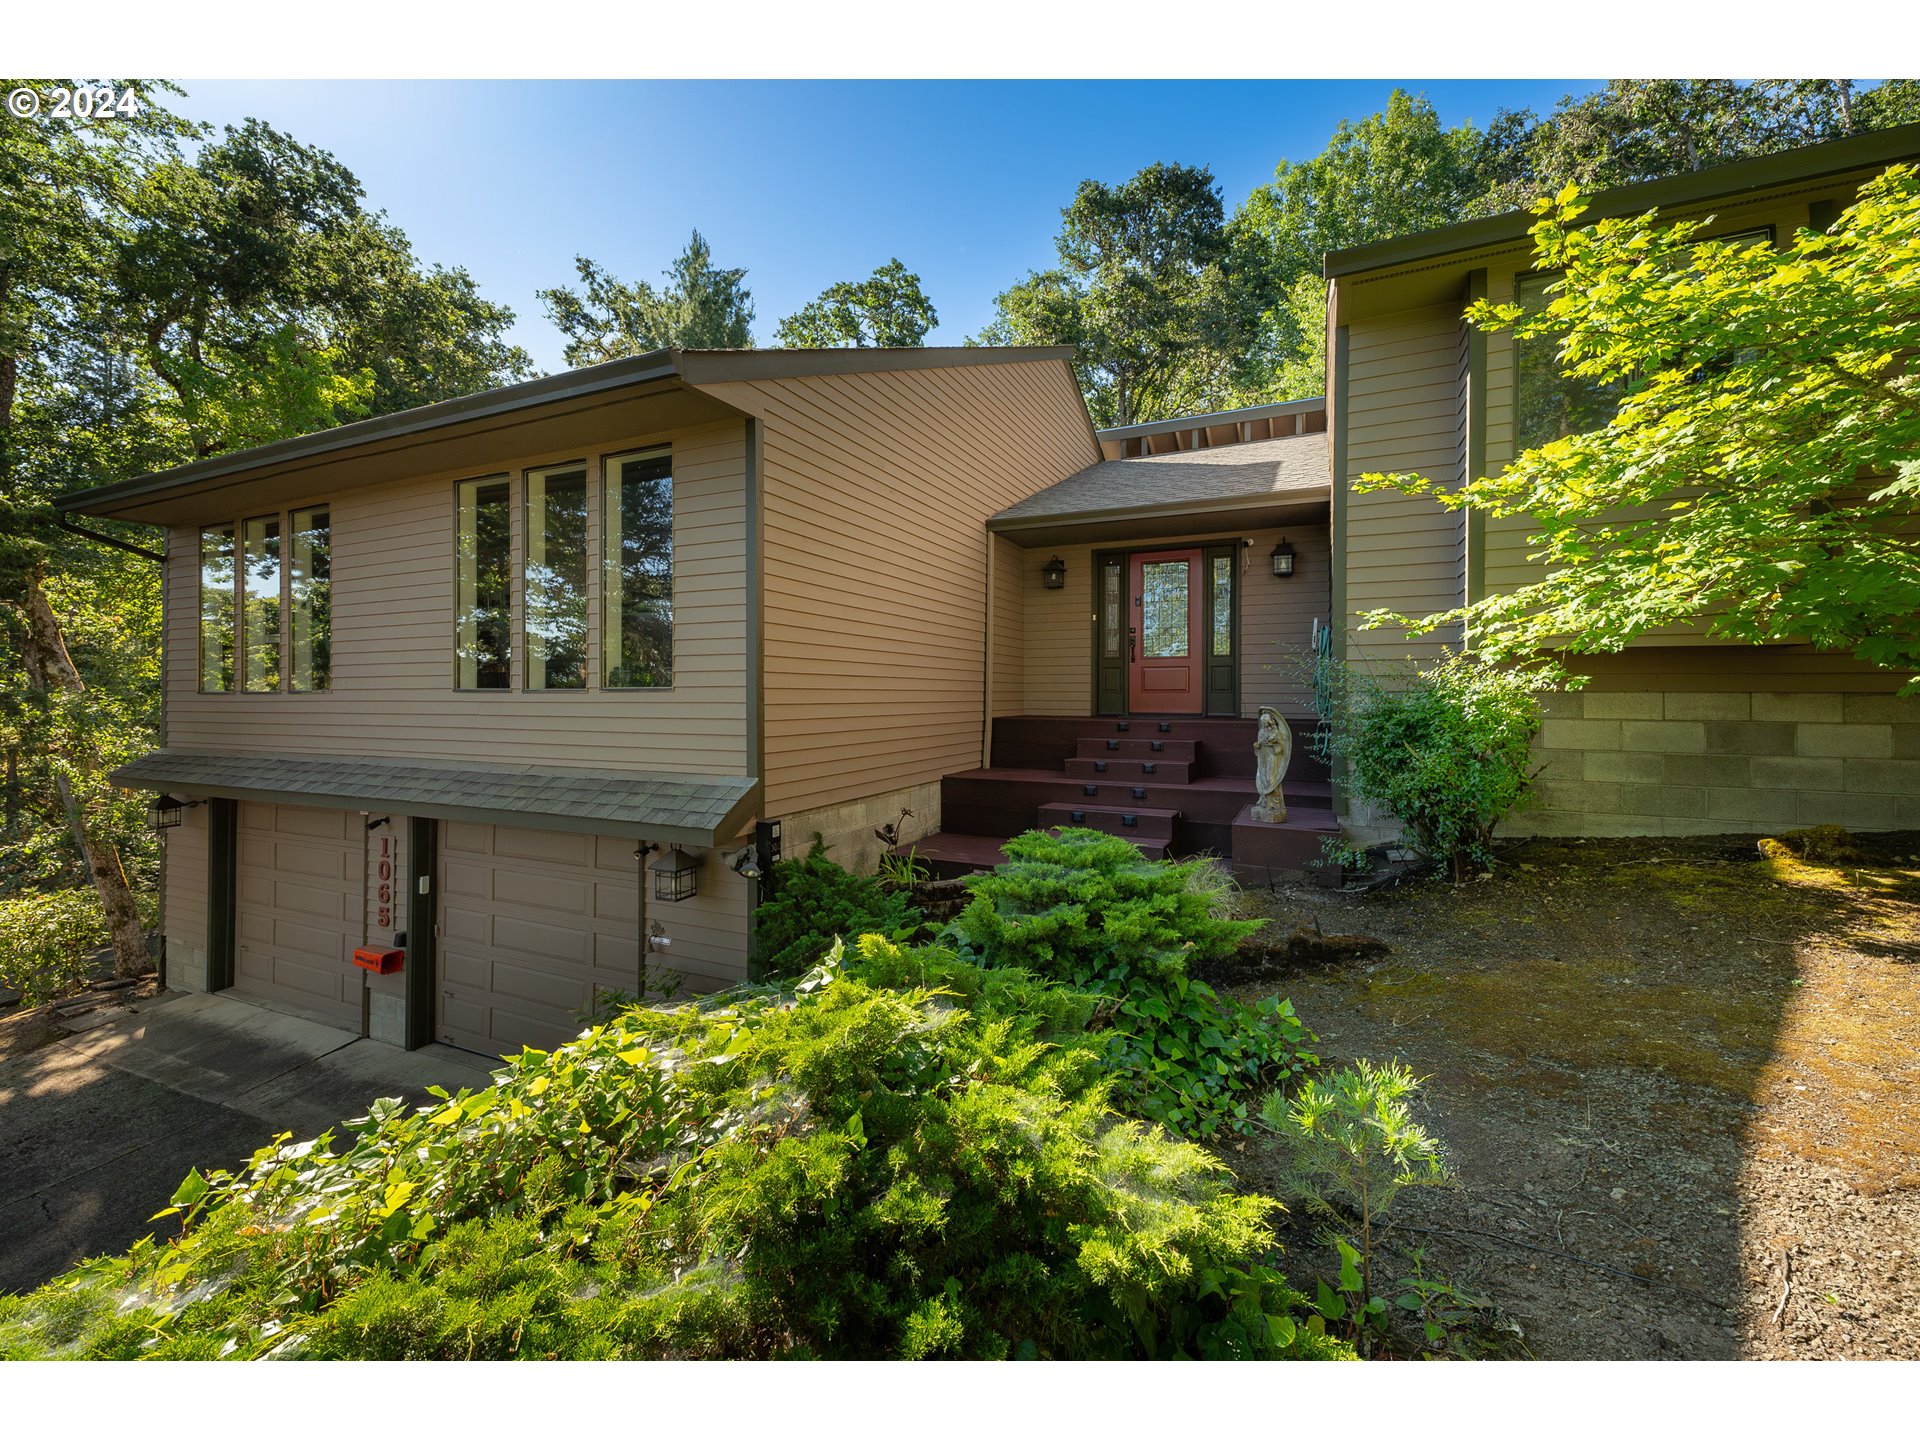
(483, 599)
(1548, 403)
(1163, 609)
(310, 600)
(557, 578)
(266, 604)
(637, 579)
(1110, 608)
(216, 609)
(1222, 606)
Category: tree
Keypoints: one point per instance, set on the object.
(1145, 289)
(700, 307)
(1389, 174)
(1635, 130)
(888, 308)
(1760, 475)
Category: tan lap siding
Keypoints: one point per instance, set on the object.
(876, 491)
(393, 689)
(1276, 619)
(1403, 553)
(1009, 623)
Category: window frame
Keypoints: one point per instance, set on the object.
(609, 468)
(237, 627)
(515, 641)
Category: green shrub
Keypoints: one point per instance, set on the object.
(814, 902)
(1444, 750)
(1085, 908)
(839, 1171)
(47, 939)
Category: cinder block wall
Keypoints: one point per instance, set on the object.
(848, 828)
(1707, 762)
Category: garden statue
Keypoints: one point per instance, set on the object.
(1272, 750)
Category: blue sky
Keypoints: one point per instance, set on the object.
(802, 182)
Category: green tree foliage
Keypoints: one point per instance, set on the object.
(888, 308)
(1447, 750)
(1086, 909)
(840, 1171)
(814, 902)
(1760, 473)
(1146, 289)
(701, 306)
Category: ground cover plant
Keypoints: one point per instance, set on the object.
(842, 1168)
(815, 901)
(1086, 909)
(47, 941)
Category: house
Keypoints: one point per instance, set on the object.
(522, 692)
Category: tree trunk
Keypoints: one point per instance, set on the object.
(49, 669)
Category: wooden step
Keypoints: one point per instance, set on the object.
(1133, 747)
(1130, 823)
(1118, 770)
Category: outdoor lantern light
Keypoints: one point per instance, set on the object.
(676, 875)
(1283, 559)
(1053, 574)
(165, 811)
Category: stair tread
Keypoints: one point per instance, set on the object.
(1145, 810)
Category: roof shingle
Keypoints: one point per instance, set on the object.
(1291, 467)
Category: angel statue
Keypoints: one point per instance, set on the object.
(1272, 751)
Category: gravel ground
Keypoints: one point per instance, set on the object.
(1679, 1084)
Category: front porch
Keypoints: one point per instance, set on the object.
(1175, 786)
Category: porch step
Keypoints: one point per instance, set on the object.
(1159, 770)
(1133, 747)
(1130, 823)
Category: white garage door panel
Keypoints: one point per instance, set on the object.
(298, 901)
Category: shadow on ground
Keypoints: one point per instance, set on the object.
(1679, 1082)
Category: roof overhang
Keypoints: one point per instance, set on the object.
(1142, 522)
(703, 810)
(639, 395)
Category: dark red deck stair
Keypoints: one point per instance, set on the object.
(1174, 787)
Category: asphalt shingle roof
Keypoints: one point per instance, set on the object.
(692, 809)
(1292, 466)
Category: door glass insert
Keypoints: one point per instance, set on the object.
(1110, 609)
(1163, 609)
(1222, 605)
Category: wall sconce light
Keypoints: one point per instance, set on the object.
(166, 812)
(1283, 559)
(1053, 574)
(676, 875)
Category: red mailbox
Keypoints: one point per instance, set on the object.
(380, 962)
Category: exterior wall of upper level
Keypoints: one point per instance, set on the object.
(392, 593)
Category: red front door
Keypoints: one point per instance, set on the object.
(1163, 646)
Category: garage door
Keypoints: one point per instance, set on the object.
(298, 917)
(535, 925)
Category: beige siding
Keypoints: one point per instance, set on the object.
(1276, 620)
(393, 689)
(876, 490)
(1009, 626)
(1403, 553)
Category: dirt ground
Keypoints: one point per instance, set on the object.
(1691, 1067)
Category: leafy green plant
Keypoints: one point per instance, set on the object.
(47, 941)
(903, 872)
(1445, 750)
(1353, 1148)
(816, 901)
(838, 1170)
(1086, 909)
(1452, 1323)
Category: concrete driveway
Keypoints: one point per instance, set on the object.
(96, 1129)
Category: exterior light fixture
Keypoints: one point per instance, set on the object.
(1053, 574)
(165, 812)
(747, 865)
(676, 875)
(1283, 560)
